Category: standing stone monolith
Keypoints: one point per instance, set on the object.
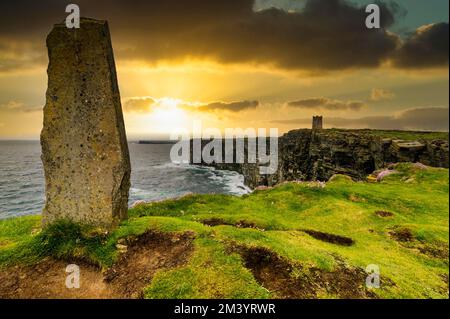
(84, 145)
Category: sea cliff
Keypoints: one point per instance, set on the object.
(309, 155)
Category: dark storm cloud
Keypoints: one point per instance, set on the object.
(325, 35)
(427, 47)
(327, 104)
(427, 118)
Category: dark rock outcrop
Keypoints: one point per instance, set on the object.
(319, 154)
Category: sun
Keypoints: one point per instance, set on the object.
(168, 117)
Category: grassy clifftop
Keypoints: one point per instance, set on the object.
(297, 240)
(403, 135)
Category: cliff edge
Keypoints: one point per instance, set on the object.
(310, 155)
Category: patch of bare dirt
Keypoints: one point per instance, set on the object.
(406, 238)
(215, 222)
(402, 234)
(4, 243)
(218, 221)
(444, 278)
(445, 290)
(149, 253)
(246, 224)
(439, 251)
(294, 281)
(329, 238)
(133, 271)
(47, 280)
(356, 199)
(383, 213)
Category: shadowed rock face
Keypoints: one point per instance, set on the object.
(84, 147)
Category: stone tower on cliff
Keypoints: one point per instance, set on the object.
(317, 123)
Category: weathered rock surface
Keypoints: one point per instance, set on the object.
(319, 154)
(84, 146)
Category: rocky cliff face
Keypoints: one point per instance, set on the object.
(319, 154)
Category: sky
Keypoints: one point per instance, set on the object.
(243, 63)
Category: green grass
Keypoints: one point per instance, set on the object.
(403, 135)
(211, 272)
(417, 198)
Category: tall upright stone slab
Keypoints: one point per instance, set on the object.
(84, 146)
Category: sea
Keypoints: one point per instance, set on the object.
(153, 177)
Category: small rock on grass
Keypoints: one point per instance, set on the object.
(121, 248)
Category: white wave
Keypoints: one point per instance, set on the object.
(233, 182)
(140, 192)
(172, 165)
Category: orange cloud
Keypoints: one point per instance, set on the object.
(327, 104)
(381, 94)
(139, 105)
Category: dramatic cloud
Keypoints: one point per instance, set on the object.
(232, 106)
(327, 104)
(17, 55)
(427, 118)
(13, 106)
(229, 31)
(325, 35)
(427, 47)
(139, 105)
(381, 94)
(148, 104)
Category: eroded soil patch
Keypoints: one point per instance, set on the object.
(287, 280)
(444, 278)
(383, 213)
(215, 222)
(329, 238)
(146, 255)
(218, 221)
(439, 251)
(406, 238)
(47, 279)
(125, 279)
(402, 234)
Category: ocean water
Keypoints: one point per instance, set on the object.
(153, 177)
